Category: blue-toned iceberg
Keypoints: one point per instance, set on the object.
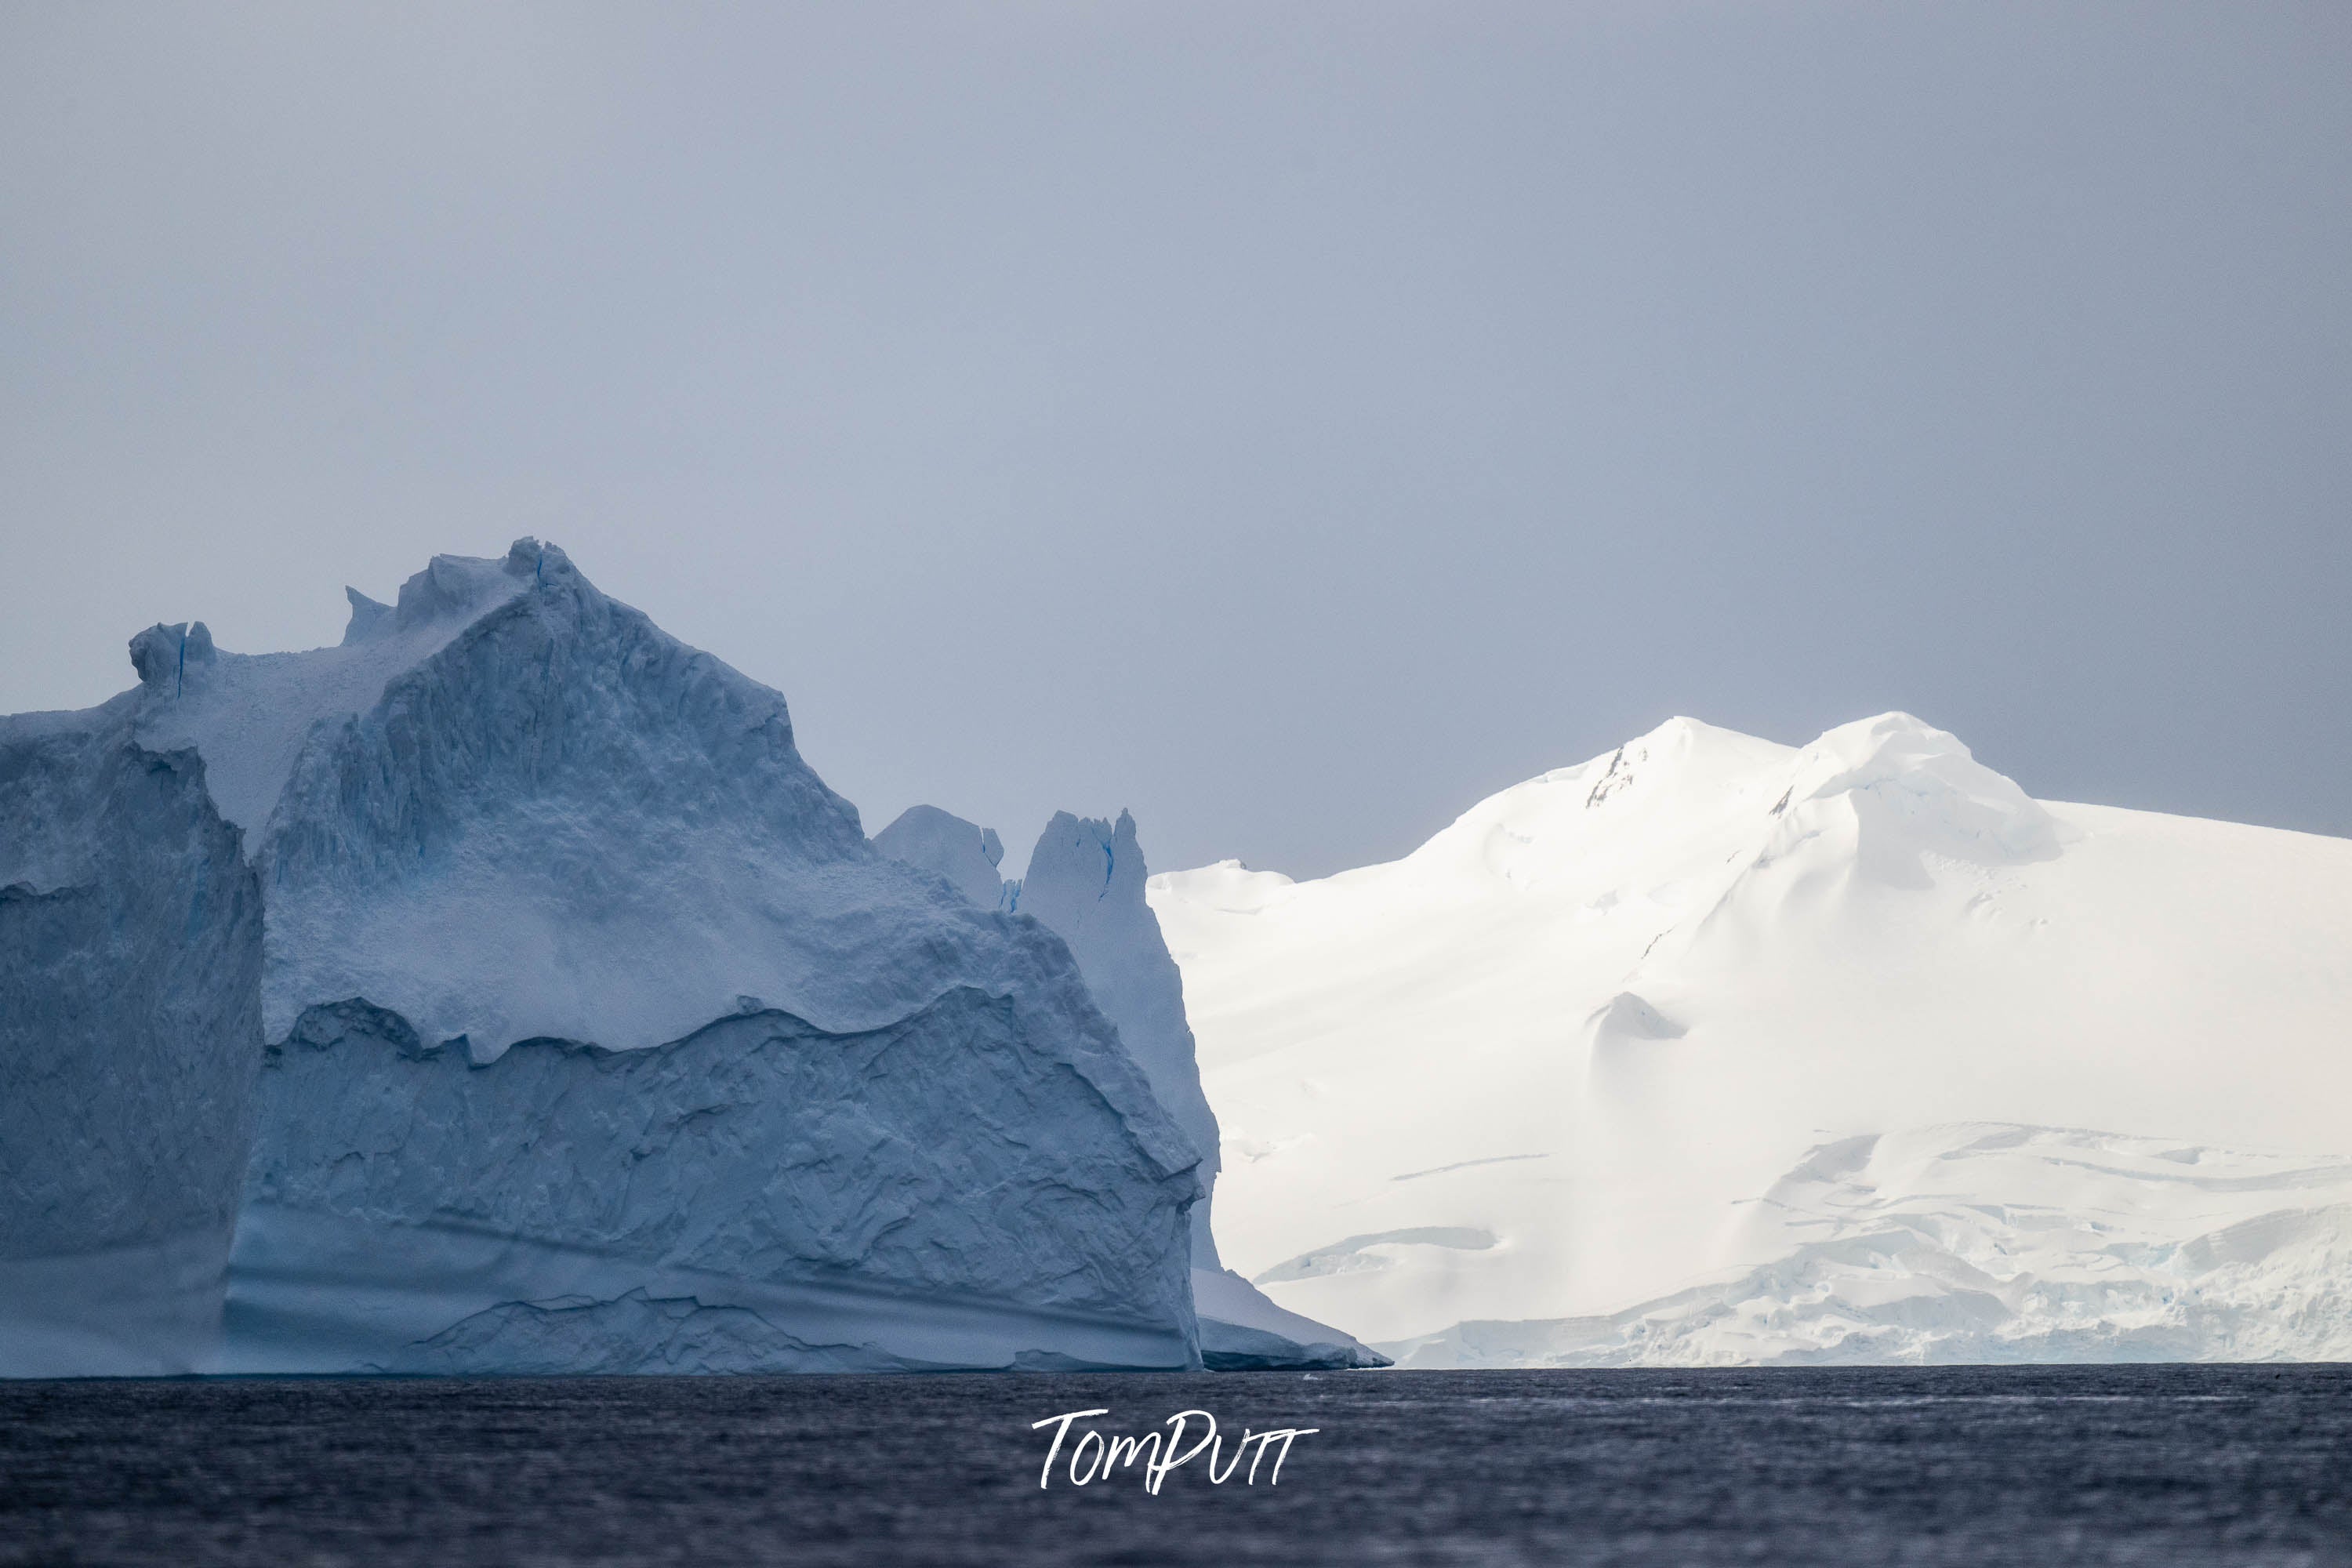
(131, 938)
(1086, 882)
(598, 1036)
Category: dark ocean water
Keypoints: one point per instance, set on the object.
(2029, 1466)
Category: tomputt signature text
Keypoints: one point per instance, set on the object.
(1094, 1457)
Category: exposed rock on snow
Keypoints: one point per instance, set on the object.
(1608, 1010)
(509, 816)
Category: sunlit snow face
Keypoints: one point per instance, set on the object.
(1594, 1022)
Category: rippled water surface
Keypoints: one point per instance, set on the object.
(2040, 1465)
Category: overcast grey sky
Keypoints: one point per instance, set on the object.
(1291, 421)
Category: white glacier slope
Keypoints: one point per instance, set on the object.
(1085, 883)
(600, 1039)
(1527, 1094)
(1986, 1242)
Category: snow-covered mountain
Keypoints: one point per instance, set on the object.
(598, 1036)
(1084, 882)
(1712, 1048)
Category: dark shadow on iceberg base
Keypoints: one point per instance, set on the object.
(152, 1309)
(318, 1293)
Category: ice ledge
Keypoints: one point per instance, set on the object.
(1241, 1330)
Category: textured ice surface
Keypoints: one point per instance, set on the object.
(759, 1183)
(565, 824)
(966, 856)
(1985, 1242)
(1086, 882)
(1596, 1021)
(129, 1030)
(250, 714)
(778, 1100)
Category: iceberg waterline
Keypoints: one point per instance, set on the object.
(1711, 1049)
(129, 1031)
(599, 1036)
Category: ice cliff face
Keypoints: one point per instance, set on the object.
(602, 1037)
(1531, 1093)
(1086, 884)
(764, 1194)
(1086, 881)
(131, 938)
